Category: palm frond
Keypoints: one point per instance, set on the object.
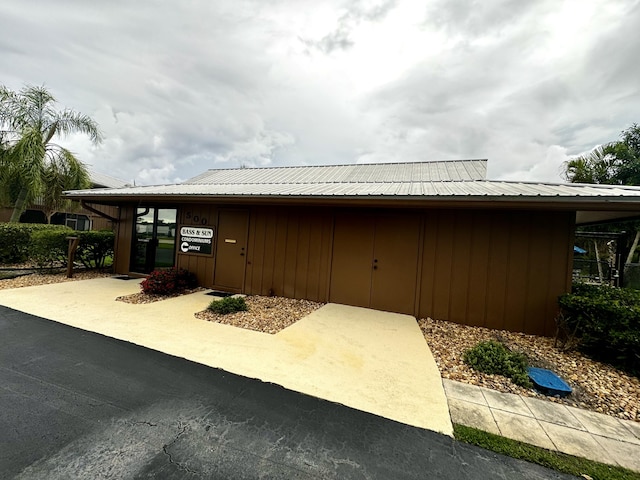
(32, 165)
(74, 122)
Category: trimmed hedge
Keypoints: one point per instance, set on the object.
(607, 322)
(168, 281)
(49, 248)
(15, 240)
(95, 247)
(47, 245)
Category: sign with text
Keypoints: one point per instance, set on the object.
(196, 240)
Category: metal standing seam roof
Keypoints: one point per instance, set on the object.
(456, 179)
(106, 181)
(417, 189)
(450, 170)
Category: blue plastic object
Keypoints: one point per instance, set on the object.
(548, 382)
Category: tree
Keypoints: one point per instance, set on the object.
(615, 163)
(31, 165)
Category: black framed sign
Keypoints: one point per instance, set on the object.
(196, 240)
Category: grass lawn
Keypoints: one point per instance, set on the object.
(554, 460)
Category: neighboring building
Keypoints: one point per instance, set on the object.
(81, 219)
(429, 239)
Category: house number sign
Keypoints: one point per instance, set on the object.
(196, 240)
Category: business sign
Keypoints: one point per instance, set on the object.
(196, 240)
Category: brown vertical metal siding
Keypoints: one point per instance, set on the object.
(289, 253)
(500, 270)
(124, 238)
(101, 223)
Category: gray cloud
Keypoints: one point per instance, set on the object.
(357, 12)
(182, 87)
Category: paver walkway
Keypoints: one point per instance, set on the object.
(549, 425)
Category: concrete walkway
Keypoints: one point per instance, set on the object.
(377, 362)
(549, 425)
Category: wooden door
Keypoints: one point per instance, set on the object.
(395, 263)
(231, 249)
(351, 263)
(375, 261)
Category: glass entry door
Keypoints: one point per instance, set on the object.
(154, 240)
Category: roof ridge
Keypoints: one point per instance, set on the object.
(337, 182)
(274, 167)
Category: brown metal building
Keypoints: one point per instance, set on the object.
(429, 239)
(81, 219)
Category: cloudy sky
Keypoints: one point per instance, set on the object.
(181, 87)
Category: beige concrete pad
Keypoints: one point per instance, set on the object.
(373, 361)
(472, 415)
(625, 454)
(576, 442)
(523, 429)
(603, 425)
(633, 427)
(552, 412)
(463, 391)
(378, 360)
(507, 402)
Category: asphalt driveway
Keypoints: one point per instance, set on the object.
(75, 404)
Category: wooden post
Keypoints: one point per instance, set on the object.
(73, 246)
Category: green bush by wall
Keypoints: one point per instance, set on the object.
(606, 321)
(15, 240)
(47, 245)
(95, 247)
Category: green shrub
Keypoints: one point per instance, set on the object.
(15, 240)
(494, 358)
(95, 247)
(47, 245)
(606, 321)
(228, 305)
(50, 247)
(168, 281)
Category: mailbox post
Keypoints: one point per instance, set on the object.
(73, 246)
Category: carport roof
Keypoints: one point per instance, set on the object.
(447, 183)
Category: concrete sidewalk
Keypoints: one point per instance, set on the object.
(549, 425)
(377, 362)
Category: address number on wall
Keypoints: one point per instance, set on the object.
(195, 218)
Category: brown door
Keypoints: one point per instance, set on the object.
(351, 264)
(375, 262)
(231, 249)
(395, 263)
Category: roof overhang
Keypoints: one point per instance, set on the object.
(588, 209)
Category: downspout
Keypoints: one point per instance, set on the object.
(98, 212)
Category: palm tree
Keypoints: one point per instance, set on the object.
(614, 163)
(600, 165)
(31, 165)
